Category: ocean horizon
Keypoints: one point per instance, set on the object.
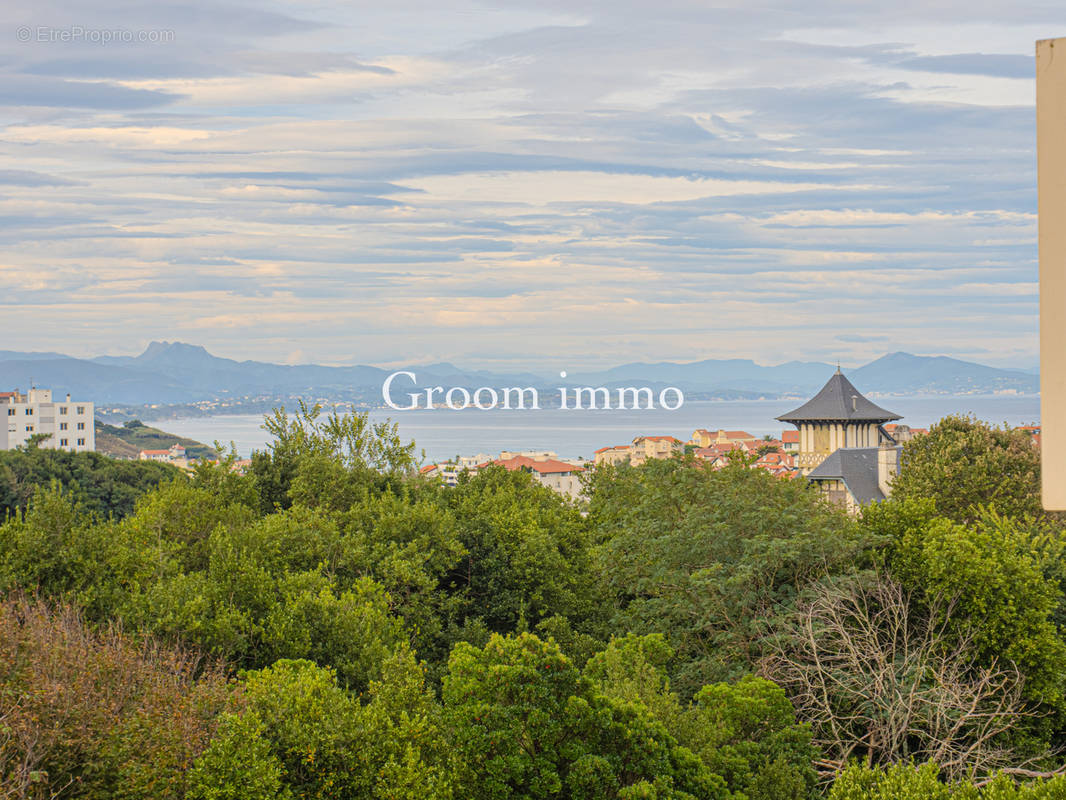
(443, 433)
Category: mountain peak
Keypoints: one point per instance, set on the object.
(899, 355)
(172, 349)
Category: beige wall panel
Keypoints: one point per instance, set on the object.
(1051, 169)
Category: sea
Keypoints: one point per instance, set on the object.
(440, 434)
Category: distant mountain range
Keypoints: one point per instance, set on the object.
(895, 373)
(175, 373)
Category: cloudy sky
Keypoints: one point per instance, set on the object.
(522, 185)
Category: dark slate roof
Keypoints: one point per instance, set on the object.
(857, 468)
(839, 400)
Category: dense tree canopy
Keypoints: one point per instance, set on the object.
(964, 463)
(530, 726)
(333, 625)
(103, 485)
(712, 558)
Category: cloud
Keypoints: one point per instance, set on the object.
(600, 182)
(25, 177)
(993, 65)
(859, 338)
(32, 90)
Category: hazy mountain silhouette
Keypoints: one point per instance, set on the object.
(175, 372)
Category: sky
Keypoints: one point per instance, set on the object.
(521, 185)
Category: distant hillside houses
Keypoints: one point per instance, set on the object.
(547, 469)
(174, 455)
(715, 447)
(704, 438)
(768, 454)
(843, 442)
(177, 456)
(639, 450)
(902, 433)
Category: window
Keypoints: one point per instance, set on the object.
(29, 428)
(29, 412)
(62, 409)
(11, 412)
(62, 426)
(81, 409)
(62, 442)
(81, 426)
(81, 442)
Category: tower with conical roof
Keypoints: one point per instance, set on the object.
(838, 416)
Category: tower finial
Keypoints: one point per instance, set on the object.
(838, 366)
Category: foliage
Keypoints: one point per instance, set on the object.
(60, 551)
(714, 558)
(239, 764)
(181, 518)
(527, 724)
(989, 578)
(905, 782)
(98, 714)
(302, 735)
(239, 610)
(185, 568)
(746, 732)
(963, 463)
(103, 486)
(223, 478)
(527, 560)
(326, 459)
(601, 651)
(633, 669)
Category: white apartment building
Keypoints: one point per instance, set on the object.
(68, 423)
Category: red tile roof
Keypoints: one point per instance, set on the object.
(155, 452)
(790, 437)
(547, 467)
(721, 448)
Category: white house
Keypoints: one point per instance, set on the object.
(175, 455)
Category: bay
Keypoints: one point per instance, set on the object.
(443, 433)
